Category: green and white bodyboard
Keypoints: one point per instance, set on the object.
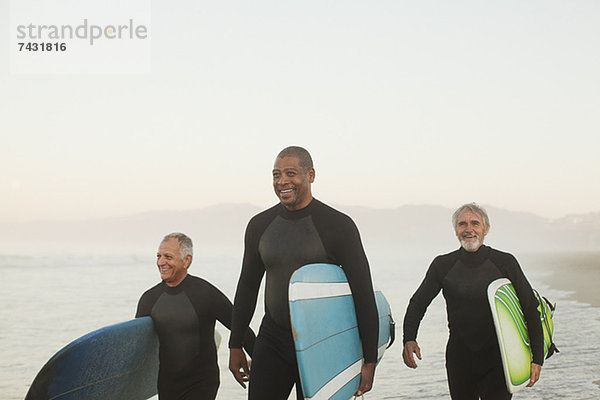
(511, 330)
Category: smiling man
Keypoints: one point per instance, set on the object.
(473, 362)
(184, 309)
(299, 230)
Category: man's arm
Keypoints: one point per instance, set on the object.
(142, 309)
(245, 304)
(243, 309)
(351, 255)
(146, 302)
(420, 300)
(528, 301)
(248, 285)
(348, 250)
(223, 310)
(529, 304)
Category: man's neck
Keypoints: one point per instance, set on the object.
(300, 206)
(178, 282)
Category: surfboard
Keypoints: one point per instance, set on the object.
(511, 330)
(112, 363)
(325, 330)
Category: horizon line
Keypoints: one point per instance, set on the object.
(242, 204)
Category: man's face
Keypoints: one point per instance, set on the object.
(292, 182)
(470, 230)
(170, 265)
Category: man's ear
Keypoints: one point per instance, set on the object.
(311, 175)
(188, 261)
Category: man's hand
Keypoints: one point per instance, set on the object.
(536, 370)
(367, 375)
(238, 365)
(411, 348)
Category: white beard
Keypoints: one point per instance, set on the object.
(470, 246)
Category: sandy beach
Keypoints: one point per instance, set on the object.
(578, 273)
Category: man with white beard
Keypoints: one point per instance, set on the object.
(473, 361)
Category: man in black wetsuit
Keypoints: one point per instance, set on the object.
(473, 362)
(299, 230)
(184, 309)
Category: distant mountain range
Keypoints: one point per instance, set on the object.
(403, 229)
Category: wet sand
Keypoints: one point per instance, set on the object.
(578, 273)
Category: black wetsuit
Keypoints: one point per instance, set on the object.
(472, 357)
(278, 242)
(184, 318)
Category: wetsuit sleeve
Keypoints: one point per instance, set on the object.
(223, 309)
(420, 300)
(246, 293)
(529, 304)
(350, 254)
(146, 303)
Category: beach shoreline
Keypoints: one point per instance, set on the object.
(576, 273)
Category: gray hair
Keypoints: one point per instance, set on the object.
(303, 155)
(475, 208)
(185, 243)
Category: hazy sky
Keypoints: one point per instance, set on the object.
(399, 102)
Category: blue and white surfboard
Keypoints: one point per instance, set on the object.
(115, 362)
(325, 330)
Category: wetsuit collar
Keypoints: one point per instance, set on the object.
(297, 214)
(178, 288)
(474, 258)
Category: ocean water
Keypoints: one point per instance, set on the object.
(52, 300)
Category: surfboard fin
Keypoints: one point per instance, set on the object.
(392, 331)
(552, 347)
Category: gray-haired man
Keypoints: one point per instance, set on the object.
(184, 309)
(473, 362)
